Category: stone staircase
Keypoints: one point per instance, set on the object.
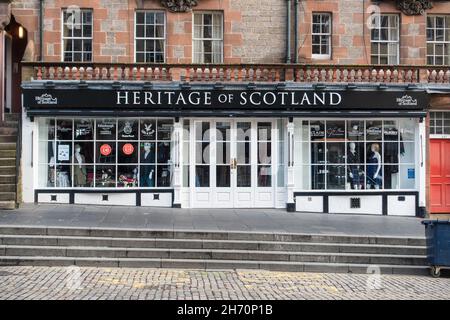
(8, 180)
(65, 246)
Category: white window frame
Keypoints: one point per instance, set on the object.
(377, 25)
(445, 129)
(63, 51)
(434, 42)
(194, 39)
(320, 34)
(115, 141)
(305, 166)
(150, 38)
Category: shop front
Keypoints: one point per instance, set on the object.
(330, 149)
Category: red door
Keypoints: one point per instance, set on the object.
(440, 176)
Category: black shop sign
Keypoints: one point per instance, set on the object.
(257, 100)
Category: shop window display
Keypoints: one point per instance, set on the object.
(355, 154)
(104, 153)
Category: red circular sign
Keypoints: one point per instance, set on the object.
(128, 149)
(105, 149)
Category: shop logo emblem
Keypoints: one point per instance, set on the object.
(46, 98)
(147, 130)
(128, 149)
(406, 101)
(127, 128)
(105, 149)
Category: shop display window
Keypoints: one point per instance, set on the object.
(355, 154)
(105, 153)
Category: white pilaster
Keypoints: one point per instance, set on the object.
(422, 163)
(290, 169)
(177, 138)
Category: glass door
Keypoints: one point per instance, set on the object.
(242, 166)
(223, 164)
(233, 164)
(264, 188)
(201, 168)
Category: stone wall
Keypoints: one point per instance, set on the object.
(254, 30)
(263, 29)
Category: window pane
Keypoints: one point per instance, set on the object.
(140, 16)
(202, 176)
(335, 152)
(165, 128)
(84, 129)
(164, 176)
(106, 152)
(264, 176)
(128, 129)
(374, 168)
(147, 176)
(355, 130)
(106, 129)
(127, 176)
(64, 129)
(336, 177)
(105, 176)
(318, 177)
(127, 152)
(373, 130)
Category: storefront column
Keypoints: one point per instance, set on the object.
(422, 167)
(177, 138)
(290, 170)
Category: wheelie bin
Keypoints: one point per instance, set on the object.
(437, 234)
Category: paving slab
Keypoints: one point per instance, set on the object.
(254, 220)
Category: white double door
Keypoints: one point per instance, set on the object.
(232, 163)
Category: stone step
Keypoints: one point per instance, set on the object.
(7, 188)
(39, 240)
(12, 116)
(7, 170)
(12, 131)
(9, 124)
(5, 154)
(7, 196)
(7, 138)
(208, 264)
(7, 162)
(7, 146)
(205, 254)
(8, 205)
(210, 235)
(7, 179)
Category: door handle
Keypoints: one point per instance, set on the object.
(233, 164)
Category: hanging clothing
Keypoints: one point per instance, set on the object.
(79, 171)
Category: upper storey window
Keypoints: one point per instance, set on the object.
(321, 36)
(150, 37)
(77, 35)
(385, 39)
(208, 37)
(438, 40)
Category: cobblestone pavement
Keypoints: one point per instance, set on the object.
(125, 283)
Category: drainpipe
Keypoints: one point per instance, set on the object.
(296, 30)
(288, 32)
(41, 29)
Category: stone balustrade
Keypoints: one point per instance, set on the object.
(236, 72)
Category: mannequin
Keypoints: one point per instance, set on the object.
(148, 171)
(374, 179)
(354, 172)
(79, 171)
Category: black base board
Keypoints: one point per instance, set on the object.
(290, 207)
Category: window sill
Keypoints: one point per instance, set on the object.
(321, 57)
